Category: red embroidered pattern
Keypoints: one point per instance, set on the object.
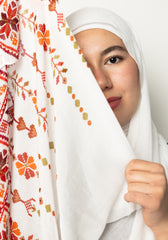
(21, 196)
(3, 111)
(44, 36)
(9, 30)
(26, 165)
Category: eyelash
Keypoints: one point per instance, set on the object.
(114, 57)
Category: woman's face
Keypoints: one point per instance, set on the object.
(114, 69)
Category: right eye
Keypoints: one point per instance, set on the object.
(114, 60)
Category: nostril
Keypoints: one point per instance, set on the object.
(102, 79)
(110, 84)
(104, 84)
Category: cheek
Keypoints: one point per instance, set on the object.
(127, 78)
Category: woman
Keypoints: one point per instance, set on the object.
(113, 55)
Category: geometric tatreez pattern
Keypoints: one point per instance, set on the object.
(9, 29)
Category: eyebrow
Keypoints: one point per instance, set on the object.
(113, 48)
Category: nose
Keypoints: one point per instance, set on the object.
(103, 79)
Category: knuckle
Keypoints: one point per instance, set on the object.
(129, 175)
(126, 170)
(133, 162)
(130, 166)
(159, 168)
(160, 192)
(161, 180)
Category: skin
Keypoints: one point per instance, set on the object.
(147, 186)
(117, 74)
(115, 79)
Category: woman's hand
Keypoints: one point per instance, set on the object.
(147, 186)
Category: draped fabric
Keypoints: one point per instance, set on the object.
(60, 144)
(142, 134)
(27, 149)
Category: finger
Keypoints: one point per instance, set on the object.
(156, 179)
(140, 187)
(145, 200)
(142, 165)
(155, 191)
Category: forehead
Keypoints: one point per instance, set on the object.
(99, 38)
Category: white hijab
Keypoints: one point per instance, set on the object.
(142, 135)
(90, 18)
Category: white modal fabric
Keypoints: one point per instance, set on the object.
(143, 137)
(121, 229)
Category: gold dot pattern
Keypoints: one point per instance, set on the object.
(52, 101)
(68, 33)
(44, 161)
(83, 59)
(76, 45)
(51, 145)
(77, 104)
(48, 208)
(69, 88)
(85, 116)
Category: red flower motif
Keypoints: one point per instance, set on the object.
(3, 237)
(26, 165)
(9, 21)
(3, 173)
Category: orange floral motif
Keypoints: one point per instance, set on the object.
(14, 41)
(26, 165)
(43, 36)
(32, 132)
(14, 230)
(52, 5)
(21, 124)
(16, 197)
